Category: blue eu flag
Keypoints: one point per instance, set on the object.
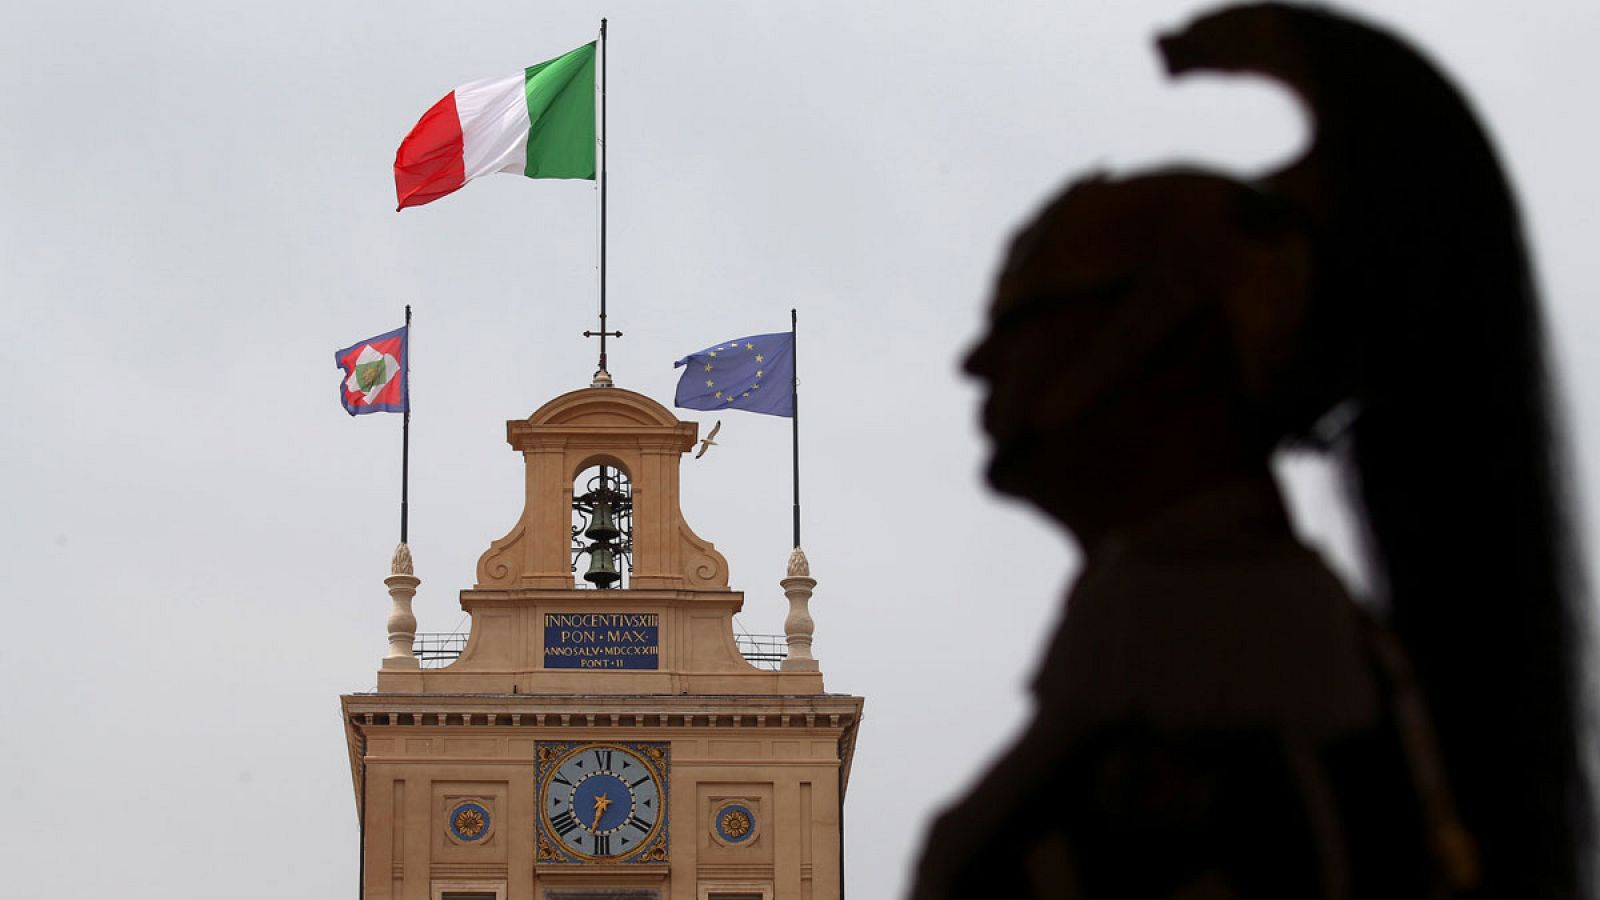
(755, 374)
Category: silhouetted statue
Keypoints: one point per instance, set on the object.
(1215, 716)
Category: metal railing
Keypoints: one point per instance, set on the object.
(764, 651)
(435, 650)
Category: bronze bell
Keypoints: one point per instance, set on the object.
(603, 526)
(602, 567)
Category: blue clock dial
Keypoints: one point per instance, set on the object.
(601, 801)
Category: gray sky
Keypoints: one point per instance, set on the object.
(198, 209)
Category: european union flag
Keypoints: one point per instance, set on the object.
(755, 374)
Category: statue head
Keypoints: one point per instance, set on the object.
(1135, 336)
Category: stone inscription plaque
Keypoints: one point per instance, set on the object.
(610, 640)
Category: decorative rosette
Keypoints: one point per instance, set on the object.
(469, 822)
(734, 823)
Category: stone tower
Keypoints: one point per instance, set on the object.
(593, 743)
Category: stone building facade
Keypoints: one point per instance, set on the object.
(601, 743)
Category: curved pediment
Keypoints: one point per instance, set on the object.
(603, 406)
(611, 427)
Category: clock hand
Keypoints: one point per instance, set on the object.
(601, 803)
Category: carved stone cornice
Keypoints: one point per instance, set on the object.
(480, 712)
(836, 716)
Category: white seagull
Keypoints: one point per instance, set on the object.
(706, 443)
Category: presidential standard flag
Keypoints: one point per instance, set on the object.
(538, 123)
(375, 374)
(754, 374)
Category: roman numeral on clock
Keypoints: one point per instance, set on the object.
(604, 758)
(602, 845)
(640, 824)
(564, 823)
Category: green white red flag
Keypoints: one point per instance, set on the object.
(538, 123)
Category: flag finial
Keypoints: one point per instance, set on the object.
(401, 564)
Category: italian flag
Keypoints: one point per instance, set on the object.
(538, 123)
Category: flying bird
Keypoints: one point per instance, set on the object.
(706, 443)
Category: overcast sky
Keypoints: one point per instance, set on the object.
(198, 209)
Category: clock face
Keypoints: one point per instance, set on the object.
(601, 801)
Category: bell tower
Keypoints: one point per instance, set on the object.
(600, 734)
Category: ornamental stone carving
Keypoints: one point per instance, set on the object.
(601, 426)
(734, 822)
(469, 822)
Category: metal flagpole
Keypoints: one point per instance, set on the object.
(602, 378)
(603, 142)
(405, 432)
(794, 349)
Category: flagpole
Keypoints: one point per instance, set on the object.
(604, 139)
(405, 432)
(794, 344)
(602, 378)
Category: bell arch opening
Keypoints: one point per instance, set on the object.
(602, 527)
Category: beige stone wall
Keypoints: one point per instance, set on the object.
(505, 653)
(788, 771)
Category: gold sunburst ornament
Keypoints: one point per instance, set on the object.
(469, 823)
(735, 823)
